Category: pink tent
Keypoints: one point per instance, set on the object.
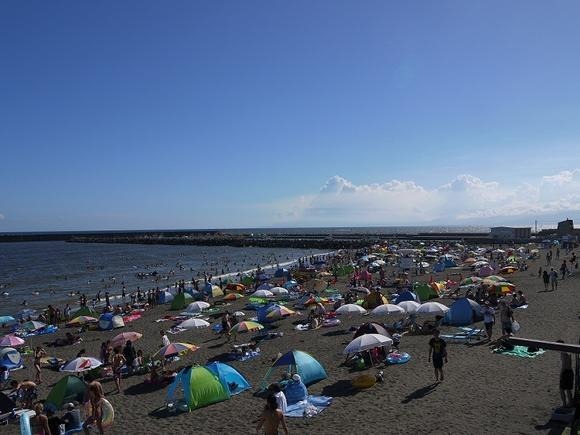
(486, 271)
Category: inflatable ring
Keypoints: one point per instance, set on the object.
(363, 381)
(331, 322)
(108, 413)
(398, 358)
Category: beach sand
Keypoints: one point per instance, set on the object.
(482, 392)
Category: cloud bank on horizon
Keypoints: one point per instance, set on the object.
(464, 200)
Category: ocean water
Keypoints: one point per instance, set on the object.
(46, 272)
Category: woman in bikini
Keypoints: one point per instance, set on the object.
(39, 423)
(119, 361)
(38, 354)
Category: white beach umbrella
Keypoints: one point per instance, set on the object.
(262, 294)
(197, 307)
(193, 323)
(409, 306)
(432, 308)
(81, 364)
(366, 342)
(239, 314)
(279, 291)
(351, 309)
(361, 290)
(387, 309)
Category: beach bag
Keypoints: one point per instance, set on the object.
(515, 326)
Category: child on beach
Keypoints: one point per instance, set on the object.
(437, 351)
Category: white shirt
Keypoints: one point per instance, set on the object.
(281, 401)
(165, 340)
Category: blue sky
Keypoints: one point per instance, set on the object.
(143, 114)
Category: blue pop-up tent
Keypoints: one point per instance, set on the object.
(297, 361)
(463, 312)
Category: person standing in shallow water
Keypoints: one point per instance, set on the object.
(437, 352)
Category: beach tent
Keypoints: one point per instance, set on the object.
(373, 300)
(10, 358)
(424, 291)
(264, 315)
(230, 377)
(463, 312)
(235, 288)
(405, 296)
(297, 361)
(109, 321)
(203, 386)
(83, 311)
(215, 291)
(371, 328)
(486, 271)
(165, 297)
(180, 301)
(439, 267)
(69, 389)
(247, 280)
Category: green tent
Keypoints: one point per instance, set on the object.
(201, 387)
(83, 311)
(424, 291)
(68, 389)
(181, 301)
(247, 280)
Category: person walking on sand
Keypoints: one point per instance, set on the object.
(117, 364)
(566, 378)
(488, 319)
(272, 418)
(437, 352)
(554, 279)
(506, 316)
(546, 278)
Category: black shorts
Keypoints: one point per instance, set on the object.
(488, 327)
(567, 379)
(438, 361)
(506, 327)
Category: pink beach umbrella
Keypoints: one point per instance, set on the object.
(124, 337)
(11, 341)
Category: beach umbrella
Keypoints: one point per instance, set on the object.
(233, 297)
(81, 364)
(471, 280)
(432, 308)
(197, 307)
(290, 284)
(81, 320)
(508, 269)
(470, 260)
(262, 294)
(122, 338)
(279, 291)
(279, 312)
(362, 290)
(367, 342)
(11, 341)
(315, 300)
(239, 314)
(246, 326)
(496, 278)
(175, 348)
(33, 325)
(350, 309)
(409, 306)
(6, 319)
(387, 309)
(193, 323)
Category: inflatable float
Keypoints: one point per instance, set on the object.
(363, 381)
(398, 358)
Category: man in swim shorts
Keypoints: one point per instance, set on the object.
(437, 351)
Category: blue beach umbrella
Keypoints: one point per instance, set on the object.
(4, 320)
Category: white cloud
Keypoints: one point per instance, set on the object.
(561, 178)
(464, 199)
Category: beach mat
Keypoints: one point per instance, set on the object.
(310, 407)
(519, 351)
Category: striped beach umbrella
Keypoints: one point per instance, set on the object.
(82, 320)
(175, 348)
(471, 280)
(193, 323)
(122, 338)
(246, 326)
(81, 364)
(279, 312)
(233, 297)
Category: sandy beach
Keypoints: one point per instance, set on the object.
(482, 392)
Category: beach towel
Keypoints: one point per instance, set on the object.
(131, 318)
(50, 329)
(519, 351)
(313, 405)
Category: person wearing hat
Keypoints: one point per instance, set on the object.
(72, 417)
(488, 319)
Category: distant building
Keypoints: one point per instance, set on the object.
(510, 233)
(565, 227)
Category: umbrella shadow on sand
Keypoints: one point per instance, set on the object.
(420, 393)
(144, 388)
(337, 333)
